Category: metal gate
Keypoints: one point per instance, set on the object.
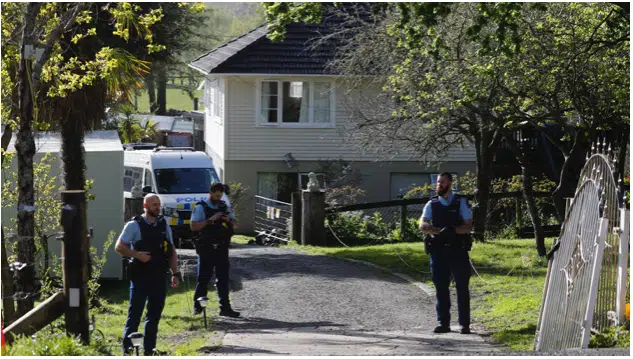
(567, 314)
(273, 219)
(600, 169)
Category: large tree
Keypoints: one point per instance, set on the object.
(69, 57)
(458, 71)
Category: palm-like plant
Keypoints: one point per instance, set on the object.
(129, 127)
(149, 131)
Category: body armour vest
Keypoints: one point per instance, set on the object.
(155, 240)
(217, 233)
(449, 216)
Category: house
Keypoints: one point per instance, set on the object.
(272, 111)
(104, 165)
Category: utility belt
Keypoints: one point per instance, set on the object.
(458, 241)
(136, 269)
(205, 245)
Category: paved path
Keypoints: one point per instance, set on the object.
(299, 304)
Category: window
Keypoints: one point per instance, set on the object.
(402, 183)
(280, 185)
(148, 179)
(214, 93)
(131, 176)
(295, 102)
(185, 180)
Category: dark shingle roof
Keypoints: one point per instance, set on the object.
(254, 53)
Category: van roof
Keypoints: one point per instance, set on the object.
(176, 159)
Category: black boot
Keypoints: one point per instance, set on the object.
(440, 329)
(227, 311)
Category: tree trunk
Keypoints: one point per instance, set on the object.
(73, 160)
(25, 148)
(482, 194)
(569, 175)
(528, 195)
(151, 92)
(161, 84)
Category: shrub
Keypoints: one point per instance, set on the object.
(56, 344)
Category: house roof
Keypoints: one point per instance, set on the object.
(95, 141)
(254, 53)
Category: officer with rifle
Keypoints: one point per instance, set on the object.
(213, 221)
(447, 222)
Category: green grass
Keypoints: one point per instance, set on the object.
(506, 305)
(179, 332)
(176, 99)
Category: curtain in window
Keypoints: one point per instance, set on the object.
(269, 93)
(305, 98)
(321, 102)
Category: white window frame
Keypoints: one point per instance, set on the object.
(279, 123)
(214, 104)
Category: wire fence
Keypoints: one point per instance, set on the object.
(399, 220)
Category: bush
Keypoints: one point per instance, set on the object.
(354, 228)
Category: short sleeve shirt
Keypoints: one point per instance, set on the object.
(464, 211)
(198, 211)
(131, 233)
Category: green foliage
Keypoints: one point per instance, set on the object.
(97, 263)
(612, 337)
(56, 344)
(239, 194)
(355, 228)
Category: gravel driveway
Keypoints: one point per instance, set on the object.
(300, 304)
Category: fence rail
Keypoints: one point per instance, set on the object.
(385, 221)
(273, 218)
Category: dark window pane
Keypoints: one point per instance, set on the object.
(185, 180)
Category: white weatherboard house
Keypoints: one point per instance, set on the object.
(264, 100)
(104, 164)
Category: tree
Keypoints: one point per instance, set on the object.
(65, 69)
(449, 71)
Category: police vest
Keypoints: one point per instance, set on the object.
(449, 216)
(213, 234)
(155, 240)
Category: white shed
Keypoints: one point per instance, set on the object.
(104, 165)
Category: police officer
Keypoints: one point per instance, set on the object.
(147, 240)
(214, 222)
(447, 222)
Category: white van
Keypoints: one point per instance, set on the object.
(180, 176)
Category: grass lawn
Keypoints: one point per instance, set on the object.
(179, 332)
(507, 305)
(176, 99)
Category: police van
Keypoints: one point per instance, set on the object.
(180, 177)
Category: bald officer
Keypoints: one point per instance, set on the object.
(147, 240)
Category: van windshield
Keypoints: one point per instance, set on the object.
(185, 180)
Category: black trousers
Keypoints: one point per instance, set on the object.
(447, 262)
(211, 260)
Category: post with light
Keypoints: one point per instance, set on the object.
(203, 304)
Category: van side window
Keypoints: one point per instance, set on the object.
(131, 175)
(148, 179)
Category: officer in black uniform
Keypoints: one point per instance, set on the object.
(214, 222)
(447, 222)
(147, 240)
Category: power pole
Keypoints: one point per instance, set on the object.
(75, 252)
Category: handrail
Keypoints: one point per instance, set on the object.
(273, 200)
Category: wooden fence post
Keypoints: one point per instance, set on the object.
(8, 306)
(313, 221)
(75, 259)
(296, 217)
(133, 207)
(403, 222)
